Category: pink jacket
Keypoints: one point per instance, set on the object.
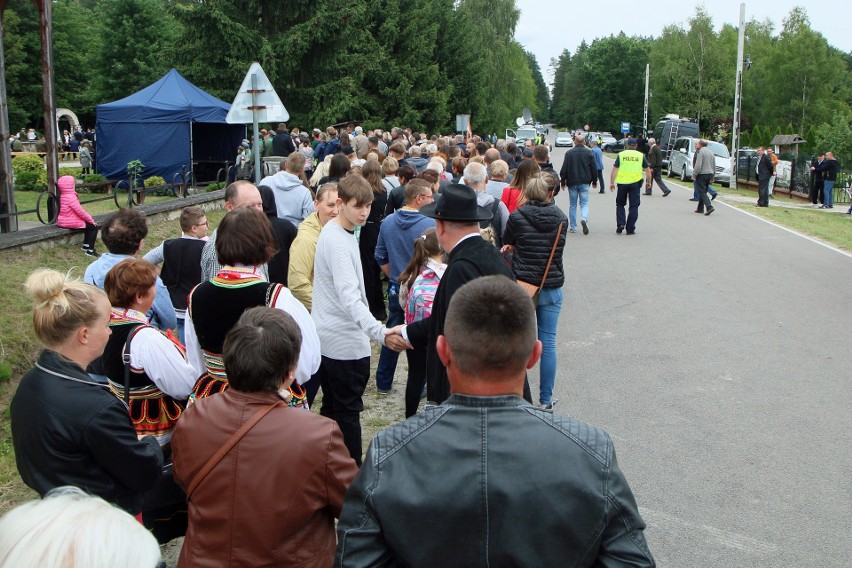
(71, 213)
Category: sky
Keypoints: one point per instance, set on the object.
(547, 27)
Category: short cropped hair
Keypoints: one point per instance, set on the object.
(123, 231)
(355, 187)
(190, 216)
(541, 153)
(128, 278)
(417, 187)
(490, 326)
(245, 237)
(72, 529)
(294, 163)
(261, 349)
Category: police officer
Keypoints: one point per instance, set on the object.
(627, 173)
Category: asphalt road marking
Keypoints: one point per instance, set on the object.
(724, 537)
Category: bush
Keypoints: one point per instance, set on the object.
(93, 178)
(30, 181)
(154, 181)
(28, 163)
(73, 172)
(216, 185)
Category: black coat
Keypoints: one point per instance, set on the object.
(470, 259)
(765, 169)
(579, 167)
(285, 233)
(532, 230)
(282, 144)
(829, 169)
(69, 430)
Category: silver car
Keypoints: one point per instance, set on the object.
(683, 152)
(564, 139)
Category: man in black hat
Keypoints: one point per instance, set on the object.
(457, 218)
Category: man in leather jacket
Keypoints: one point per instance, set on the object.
(486, 479)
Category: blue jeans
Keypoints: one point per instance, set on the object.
(547, 315)
(828, 193)
(575, 191)
(388, 357)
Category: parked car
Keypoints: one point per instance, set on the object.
(614, 147)
(564, 139)
(607, 138)
(683, 152)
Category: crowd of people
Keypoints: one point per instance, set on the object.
(178, 386)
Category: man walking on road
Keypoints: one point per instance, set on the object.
(764, 175)
(704, 170)
(596, 150)
(627, 173)
(578, 171)
(655, 161)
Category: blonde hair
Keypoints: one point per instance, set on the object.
(71, 529)
(61, 304)
(536, 189)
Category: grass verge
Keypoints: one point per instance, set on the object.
(833, 228)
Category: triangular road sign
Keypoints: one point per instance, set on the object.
(268, 105)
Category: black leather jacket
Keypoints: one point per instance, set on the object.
(490, 481)
(532, 230)
(69, 430)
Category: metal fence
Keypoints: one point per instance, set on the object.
(793, 173)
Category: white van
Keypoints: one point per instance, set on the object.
(683, 153)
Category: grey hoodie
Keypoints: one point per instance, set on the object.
(293, 201)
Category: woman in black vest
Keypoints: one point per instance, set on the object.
(158, 373)
(244, 242)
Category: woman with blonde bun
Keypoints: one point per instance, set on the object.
(67, 427)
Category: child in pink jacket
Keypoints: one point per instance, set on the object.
(73, 216)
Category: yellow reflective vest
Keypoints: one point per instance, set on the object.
(629, 167)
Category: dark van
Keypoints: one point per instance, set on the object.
(670, 128)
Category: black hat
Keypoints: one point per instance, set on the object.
(347, 150)
(456, 202)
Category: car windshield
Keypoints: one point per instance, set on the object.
(563, 135)
(719, 149)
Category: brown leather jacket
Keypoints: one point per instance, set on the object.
(273, 498)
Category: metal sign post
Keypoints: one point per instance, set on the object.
(738, 99)
(256, 102)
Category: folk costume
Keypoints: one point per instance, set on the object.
(156, 369)
(216, 305)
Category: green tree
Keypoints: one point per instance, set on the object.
(137, 39)
(692, 72)
(74, 53)
(22, 48)
(834, 137)
(542, 97)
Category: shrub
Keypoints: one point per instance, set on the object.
(154, 180)
(73, 172)
(216, 185)
(30, 181)
(28, 163)
(93, 178)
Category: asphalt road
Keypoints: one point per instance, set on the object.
(715, 351)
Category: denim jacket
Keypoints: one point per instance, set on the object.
(490, 481)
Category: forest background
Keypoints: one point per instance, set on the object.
(419, 63)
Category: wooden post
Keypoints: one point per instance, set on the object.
(7, 194)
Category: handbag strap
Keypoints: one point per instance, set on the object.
(226, 447)
(552, 251)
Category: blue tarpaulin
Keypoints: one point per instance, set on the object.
(167, 125)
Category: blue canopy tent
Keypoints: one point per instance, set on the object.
(168, 125)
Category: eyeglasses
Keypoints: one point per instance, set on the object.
(205, 223)
(427, 196)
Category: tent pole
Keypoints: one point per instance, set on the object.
(191, 159)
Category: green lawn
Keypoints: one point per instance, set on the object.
(833, 228)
